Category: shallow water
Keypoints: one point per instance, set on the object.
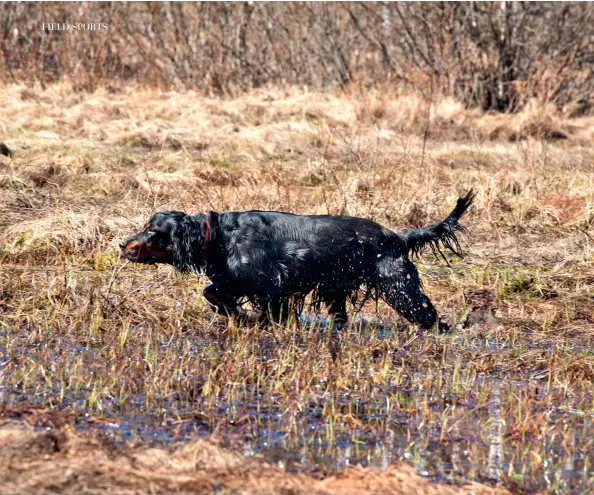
(474, 443)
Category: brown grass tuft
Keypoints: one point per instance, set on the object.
(71, 463)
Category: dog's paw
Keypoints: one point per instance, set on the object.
(443, 326)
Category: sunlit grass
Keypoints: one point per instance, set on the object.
(505, 397)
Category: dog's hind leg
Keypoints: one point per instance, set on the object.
(221, 303)
(336, 304)
(400, 286)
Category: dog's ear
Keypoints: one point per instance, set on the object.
(188, 237)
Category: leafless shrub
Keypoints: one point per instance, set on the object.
(496, 55)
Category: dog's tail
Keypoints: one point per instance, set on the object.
(443, 233)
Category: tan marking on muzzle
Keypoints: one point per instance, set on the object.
(132, 245)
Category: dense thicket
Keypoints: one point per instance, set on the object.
(496, 55)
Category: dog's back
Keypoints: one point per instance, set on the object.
(300, 251)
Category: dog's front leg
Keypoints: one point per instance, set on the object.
(220, 302)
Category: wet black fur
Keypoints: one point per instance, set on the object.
(272, 258)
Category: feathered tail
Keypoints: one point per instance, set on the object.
(443, 233)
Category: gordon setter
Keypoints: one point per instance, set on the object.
(274, 259)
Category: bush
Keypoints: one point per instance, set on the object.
(496, 55)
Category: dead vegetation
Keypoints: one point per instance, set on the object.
(504, 399)
(490, 55)
(61, 460)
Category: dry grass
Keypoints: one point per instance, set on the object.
(60, 460)
(506, 398)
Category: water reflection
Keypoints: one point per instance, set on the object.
(457, 448)
(434, 431)
(496, 429)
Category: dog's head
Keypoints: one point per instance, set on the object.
(156, 242)
(171, 237)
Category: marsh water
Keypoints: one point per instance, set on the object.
(475, 442)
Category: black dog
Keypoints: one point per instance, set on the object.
(272, 259)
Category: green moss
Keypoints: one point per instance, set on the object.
(218, 163)
(527, 285)
(521, 284)
(127, 160)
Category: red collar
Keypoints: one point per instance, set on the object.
(206, 239)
